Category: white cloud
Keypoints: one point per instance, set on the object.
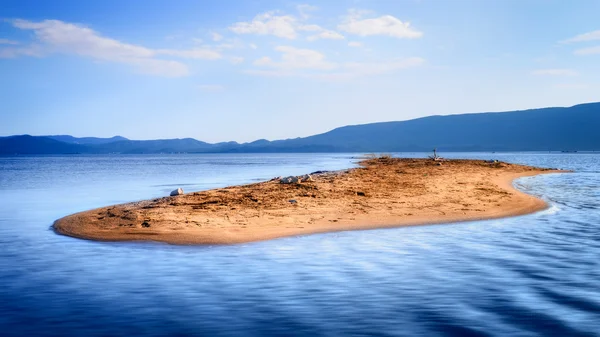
(216, 36)
(66, 37)
(388, 25)
(591, 36)
(268, 24)
(295, 58)
(326, 34)
(355, 44)
(284, 26)
(236, 60)
(7, 41)
(321, 33)
(211, 87)
(54, 36)
(253, 46)
(588, 51)
(555, 72)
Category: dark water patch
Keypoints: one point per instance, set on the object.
(570, 300)
(530, 322)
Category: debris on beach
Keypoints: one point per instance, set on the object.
(319, 172)
(295, 179)
(435, 156)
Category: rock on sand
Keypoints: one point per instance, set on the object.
(178, 191)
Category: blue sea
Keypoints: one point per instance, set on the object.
(534, 275)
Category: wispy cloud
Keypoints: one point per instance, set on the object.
(388, 25)
(572, 86)
(327, 35)
(305, 9)
(358, 69)
(54, 36)
(590, 36)
(554, 72)
(296, 58)
(588, 51)
(7, 41)
(355, 44)
(216, 36)
(236, 59)
(586, 37)
(31, 50)
(309, 63)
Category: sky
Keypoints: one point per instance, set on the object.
(245, 70)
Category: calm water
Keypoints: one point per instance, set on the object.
(536, 275)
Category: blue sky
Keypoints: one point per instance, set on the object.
(244, 70)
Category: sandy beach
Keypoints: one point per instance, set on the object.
(381, 193)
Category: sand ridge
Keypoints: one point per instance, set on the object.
(382, 192)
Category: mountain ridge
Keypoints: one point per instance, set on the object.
(546, 129)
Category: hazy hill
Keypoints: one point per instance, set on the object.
(573, 128)
(26, 144)
(152, 146)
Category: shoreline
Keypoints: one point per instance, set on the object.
(380, 193)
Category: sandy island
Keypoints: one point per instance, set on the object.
(381, 193)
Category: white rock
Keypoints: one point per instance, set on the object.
(178, 191)
(289, 180)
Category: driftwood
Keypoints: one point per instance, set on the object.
(435, 156)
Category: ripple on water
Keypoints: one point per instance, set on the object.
(535, 275)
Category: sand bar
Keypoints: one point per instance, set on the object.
(380, 193)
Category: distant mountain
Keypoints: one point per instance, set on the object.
(557, 129)
(152, 146)
(86, 140)
(27, 144)
(574, 128)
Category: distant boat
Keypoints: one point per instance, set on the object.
(567, 151)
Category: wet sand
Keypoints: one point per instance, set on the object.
(381, 193)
